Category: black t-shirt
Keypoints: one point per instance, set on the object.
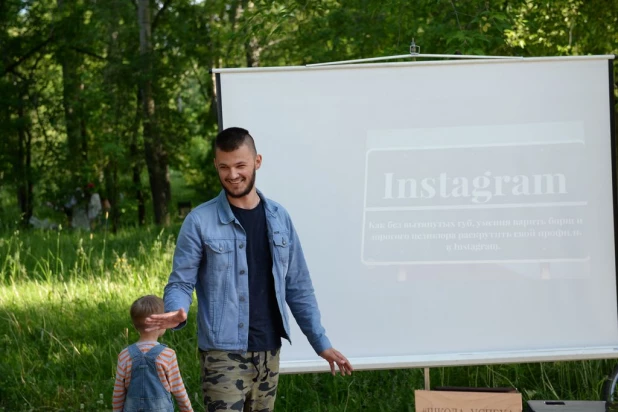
(265, 325)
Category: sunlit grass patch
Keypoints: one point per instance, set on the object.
(64, 317)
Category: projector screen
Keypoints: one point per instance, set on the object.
(451, 213)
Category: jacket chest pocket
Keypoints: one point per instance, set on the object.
(219, 262)
(218, 255)
(281, 248)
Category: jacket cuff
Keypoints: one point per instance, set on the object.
(180, 325)
(321, 344)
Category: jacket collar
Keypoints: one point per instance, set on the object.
(225, 211)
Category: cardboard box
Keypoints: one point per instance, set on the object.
(467, 401)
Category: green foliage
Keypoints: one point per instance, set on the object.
(71, 71)
(564, 27)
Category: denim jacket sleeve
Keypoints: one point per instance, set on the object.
(187, 257)
(300, 295)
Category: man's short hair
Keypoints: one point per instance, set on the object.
(144, 307)
(232, 138)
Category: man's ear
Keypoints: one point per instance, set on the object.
(258, 161)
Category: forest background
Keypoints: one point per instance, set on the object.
(117, 97)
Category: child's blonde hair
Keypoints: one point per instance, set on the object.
(144, 307)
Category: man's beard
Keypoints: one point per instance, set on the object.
(245, 192)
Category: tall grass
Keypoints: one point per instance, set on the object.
(64, 299)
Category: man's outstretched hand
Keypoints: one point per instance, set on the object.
(333, 356)
(167, 320)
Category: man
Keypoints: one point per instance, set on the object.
(241, 254)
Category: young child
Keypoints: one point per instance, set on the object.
(147, 372)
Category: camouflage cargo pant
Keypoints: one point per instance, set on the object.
(239, 382)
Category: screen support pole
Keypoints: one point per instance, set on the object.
(414, 53)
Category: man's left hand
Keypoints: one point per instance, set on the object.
(333, 356)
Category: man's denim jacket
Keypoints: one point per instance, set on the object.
(211, 258)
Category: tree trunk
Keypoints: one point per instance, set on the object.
(139, 196)
(70, 61)
(137, 185)
(114, 60)
(154, 148)
(136, 166)
(25, 186)
(252, 48)
(111, 214)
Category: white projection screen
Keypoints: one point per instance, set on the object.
(451, 212)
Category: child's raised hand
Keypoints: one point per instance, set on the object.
(167, 320)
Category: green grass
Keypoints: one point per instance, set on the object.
(64, 299)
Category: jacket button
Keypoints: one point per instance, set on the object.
(241, 246)
(240, 325)
(242, 299)
(242, 272)
(284, 243)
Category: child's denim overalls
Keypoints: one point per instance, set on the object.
(146, 392)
